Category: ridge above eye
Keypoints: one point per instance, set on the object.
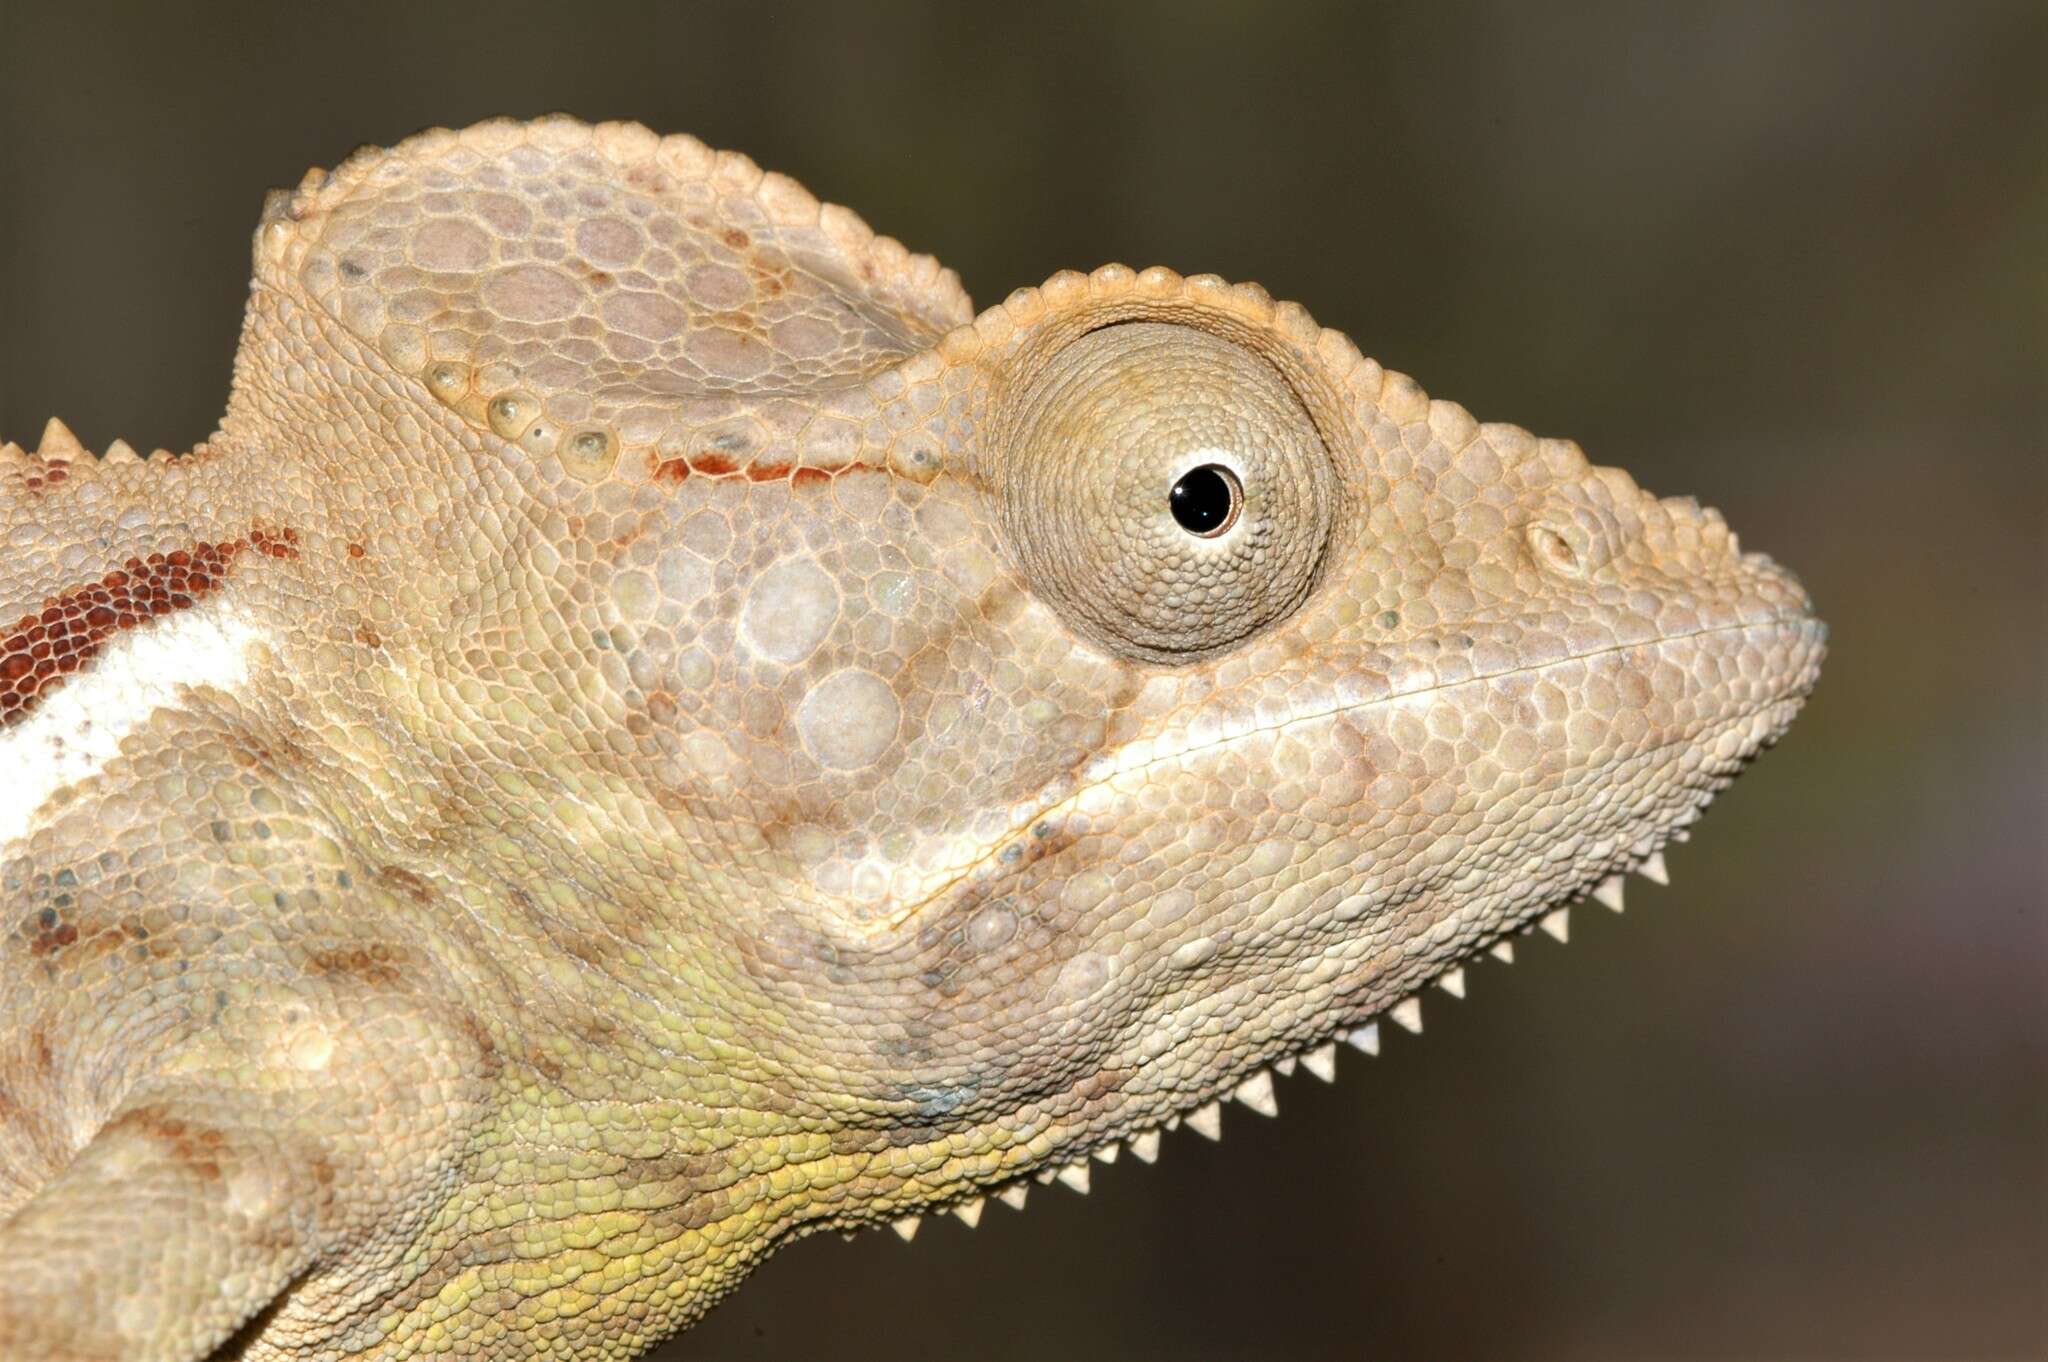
(1205, 500)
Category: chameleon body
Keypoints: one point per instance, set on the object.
(652, 729)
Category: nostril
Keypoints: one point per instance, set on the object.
(1555, 552)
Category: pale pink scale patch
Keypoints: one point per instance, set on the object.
(804, 337)
(362, 311)
(451, 244)
(648, 315)
(610, 242)
(532, 293)
(718, 286)
(729, 354)
(504, 214)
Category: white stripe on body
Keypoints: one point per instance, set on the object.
(76, 728)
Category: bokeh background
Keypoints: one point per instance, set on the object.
(1788, 257)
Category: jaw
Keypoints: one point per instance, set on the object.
(1295, 842)
(1441, 854)
(1142, 1004)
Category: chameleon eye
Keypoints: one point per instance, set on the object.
(1123, 490)
(1206, 500)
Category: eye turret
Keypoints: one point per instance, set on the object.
(1165, 491)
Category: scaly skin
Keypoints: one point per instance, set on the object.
(651, 730)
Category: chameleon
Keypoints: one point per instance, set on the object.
(652, 729)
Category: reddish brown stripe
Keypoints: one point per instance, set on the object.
(44, 647)
(713, 465)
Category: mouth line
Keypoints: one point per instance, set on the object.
(1020, 830)
(1392, 697)
(1254, 1088)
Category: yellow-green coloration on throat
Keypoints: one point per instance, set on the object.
(653, 729)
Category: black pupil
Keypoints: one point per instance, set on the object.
(1201, 499)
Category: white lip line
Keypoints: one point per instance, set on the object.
(995, 847)
(1392, 696)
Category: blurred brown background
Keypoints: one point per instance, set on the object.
(1786, 257)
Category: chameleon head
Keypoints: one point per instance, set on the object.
(1014, 730)
(710, 739)
(1179, 689)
